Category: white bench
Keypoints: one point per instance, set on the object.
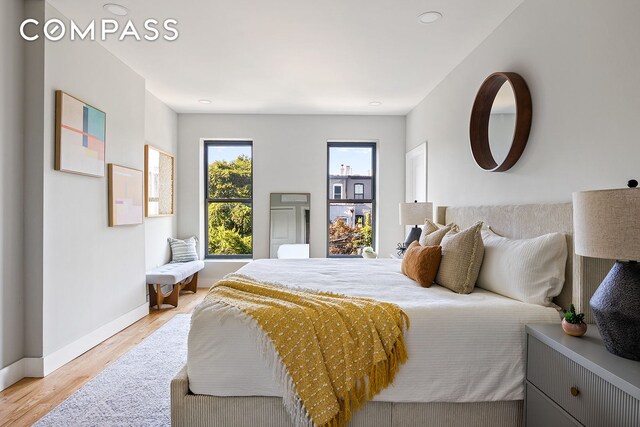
(181, 275)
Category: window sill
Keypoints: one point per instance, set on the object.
(232, 260)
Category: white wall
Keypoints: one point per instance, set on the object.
(11, 184)
(34, 185)
(580, 60)
(161, 131)
(290, 156)
(93, 273)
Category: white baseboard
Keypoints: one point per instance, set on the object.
(11, 374)
(19, 370)
(33, 367)
(66, 354)
(38, 367)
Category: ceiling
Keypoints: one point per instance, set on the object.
(298, 56)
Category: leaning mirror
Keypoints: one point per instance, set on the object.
(500, 121)
(290, 225)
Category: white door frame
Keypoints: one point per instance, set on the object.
(303, 222)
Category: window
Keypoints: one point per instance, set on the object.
(350, 222)
(228, 199)
(358, 191)
(337, 191)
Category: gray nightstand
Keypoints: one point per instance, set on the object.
(576, 381)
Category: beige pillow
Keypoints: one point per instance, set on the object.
(420, 263)
(462, 254)
(429, 227)
(432, 234)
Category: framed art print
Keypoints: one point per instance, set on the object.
(80, 136)
(125, 196)
(158, 182)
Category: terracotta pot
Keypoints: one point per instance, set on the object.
(574, 329)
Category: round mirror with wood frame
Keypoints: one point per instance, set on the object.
(481, 114)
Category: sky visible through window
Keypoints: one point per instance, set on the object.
(358, 158)
(228, 153)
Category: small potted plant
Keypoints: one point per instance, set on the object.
(369, 253)
(573, 323)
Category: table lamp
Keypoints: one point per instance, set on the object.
(415, 214)
(607, 225)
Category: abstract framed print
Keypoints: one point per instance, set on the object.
(125, 196)
(80, 136)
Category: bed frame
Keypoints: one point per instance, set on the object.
(582, 277)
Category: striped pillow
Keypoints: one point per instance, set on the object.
(183, 250)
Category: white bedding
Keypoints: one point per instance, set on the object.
(462, 348)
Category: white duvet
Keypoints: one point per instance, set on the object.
(462, 348)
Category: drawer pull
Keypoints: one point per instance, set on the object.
(574, 391)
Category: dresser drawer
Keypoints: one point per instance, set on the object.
(542, 412)
(596, 403)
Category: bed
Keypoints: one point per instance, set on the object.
(460, 371)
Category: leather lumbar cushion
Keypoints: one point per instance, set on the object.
(421, 263)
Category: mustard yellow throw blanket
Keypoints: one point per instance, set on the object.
(333, 352)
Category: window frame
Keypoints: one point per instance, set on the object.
(374, 166)
(208, 200)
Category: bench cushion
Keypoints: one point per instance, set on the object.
(170, 274)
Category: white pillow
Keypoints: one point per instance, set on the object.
(527, 270)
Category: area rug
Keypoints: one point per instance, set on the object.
(133, 390)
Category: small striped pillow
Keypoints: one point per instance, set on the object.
(183, 250)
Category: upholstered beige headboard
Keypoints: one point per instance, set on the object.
(582, 275)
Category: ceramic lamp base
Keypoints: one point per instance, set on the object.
(413, 235)
(616, 308)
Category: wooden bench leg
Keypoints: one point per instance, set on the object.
(153, 296)
(157, 297)
(193, 285)
(172, 297)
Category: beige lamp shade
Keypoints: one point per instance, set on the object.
(606, 224)
(415, 213)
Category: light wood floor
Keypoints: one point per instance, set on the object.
(30, 399)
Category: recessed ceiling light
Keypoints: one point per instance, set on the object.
(116, 9)
(204, 101)
(375, 103)
(429, 17)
